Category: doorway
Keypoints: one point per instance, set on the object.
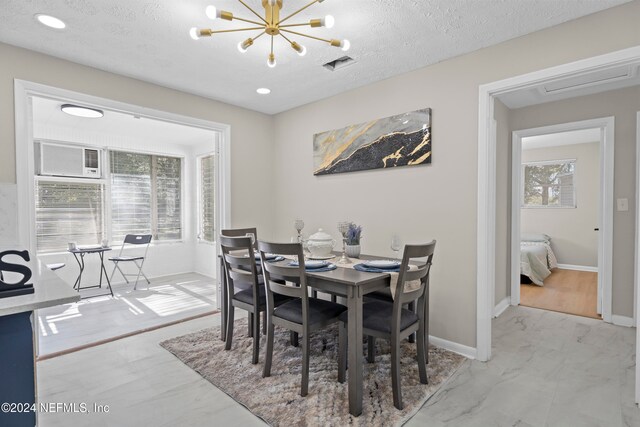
(560, 227)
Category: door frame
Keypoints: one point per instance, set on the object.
(486, 202)
(24, 90)
(605, 216)
(636, 289)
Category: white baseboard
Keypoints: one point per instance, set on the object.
(623, 321)
(501, 307)
(578, 267)
(466, 351)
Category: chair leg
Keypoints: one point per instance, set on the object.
(256, 337)
(135, 286)
(422, 365)
(250, 325)
(268, 355)
(123, 275)
(395, 371)
(371, 349)
(305, 365)
(264, 323)
(294, 338)
(342, 352)
(227, 344)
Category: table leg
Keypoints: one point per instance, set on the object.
(354, 325)
(223, 307)
(80, 262)
(106, 276)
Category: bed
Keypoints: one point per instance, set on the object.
(536, 258)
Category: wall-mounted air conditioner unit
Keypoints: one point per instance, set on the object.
(68, 160)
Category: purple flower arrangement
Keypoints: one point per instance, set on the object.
(353, 234)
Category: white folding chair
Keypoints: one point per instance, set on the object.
(132, 239)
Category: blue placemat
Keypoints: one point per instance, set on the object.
(362, 267)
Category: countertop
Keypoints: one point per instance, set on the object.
(50, 290)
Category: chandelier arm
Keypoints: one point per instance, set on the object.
(259, 35)
(248, 20)
(306, 24)
(237, 29)
(297, 11)
(286, 38)
(271, 45)
(254, 12)
(306, 35)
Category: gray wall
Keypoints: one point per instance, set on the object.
(572, 237)
(251, 132)
(623, 104)
(439, 200)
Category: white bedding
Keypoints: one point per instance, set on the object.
(536, 261)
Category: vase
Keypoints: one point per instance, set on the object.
(352, 251)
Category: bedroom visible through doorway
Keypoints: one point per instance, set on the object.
(559, 201)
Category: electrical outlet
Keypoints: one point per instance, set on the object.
(623, 205)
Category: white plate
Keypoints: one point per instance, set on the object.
(322, 257)
(267, 256)
(315, 264)
(382, 263)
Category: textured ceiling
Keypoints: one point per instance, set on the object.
(149, 40)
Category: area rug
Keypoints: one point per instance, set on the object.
(277, 400)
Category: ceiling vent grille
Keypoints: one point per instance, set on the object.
(336, 64)
(590, 79)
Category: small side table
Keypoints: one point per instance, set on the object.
(79, 254)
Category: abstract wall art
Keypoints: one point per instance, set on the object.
(401, 140)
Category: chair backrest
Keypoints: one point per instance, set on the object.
(422, 257)
(239, 263)
(284, 272)
(137, 239)
(242, 232)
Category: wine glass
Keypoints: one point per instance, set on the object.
(396, 244)
(299, 225)
(253, 240)
(343, 228)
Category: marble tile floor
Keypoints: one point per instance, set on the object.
(549, 369)
(167, 299)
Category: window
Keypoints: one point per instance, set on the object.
(207, 214)
(68, 212)
(146, 196)
(549, 184)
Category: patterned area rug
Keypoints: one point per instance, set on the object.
(277, 399)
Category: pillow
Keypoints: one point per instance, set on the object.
(535, 237)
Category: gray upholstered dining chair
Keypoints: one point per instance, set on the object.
(245, 287)
(303, 314)
(247, 232)
(393, 322)
(138, 260)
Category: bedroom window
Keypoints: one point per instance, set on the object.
(549, 184)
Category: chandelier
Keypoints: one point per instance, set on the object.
(272, 25)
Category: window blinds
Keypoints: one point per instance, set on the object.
(207, 198)
(68, 212)
(146, 195)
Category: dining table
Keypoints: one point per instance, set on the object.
(353, 285)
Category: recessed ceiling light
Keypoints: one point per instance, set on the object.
(78, 111)
(264, 91)
(50, 21)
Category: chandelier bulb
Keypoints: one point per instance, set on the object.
(212, 12)
(328, 21)
(301, 50)
(345, 45)
(194, 33)
(243, 46)
(271, 62)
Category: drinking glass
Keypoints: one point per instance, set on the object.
(343, 227)
(396, 244)
(299, 225)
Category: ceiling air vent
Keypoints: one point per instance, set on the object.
(589, 79)
(345, 61)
